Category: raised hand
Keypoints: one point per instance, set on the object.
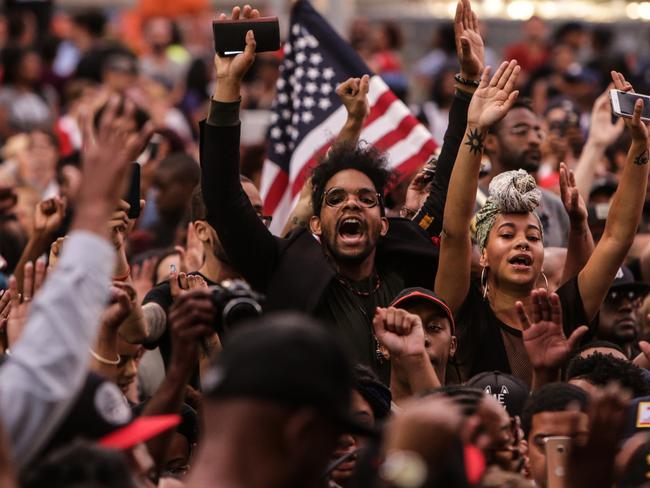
(107, 152)
(547, 346)
(602, 132)
(34, 276)
(638, 129)
(192, 256)
(469, 43)
(493, 98)
(417, 192)
(400, 332)
(55, 252)
(190, 318)
(49, 215)
(573, 202)
(120, 305)
(231, 70)
(119, 223)
(354, 94)
(143, 277)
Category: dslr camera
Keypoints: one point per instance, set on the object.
(234, 301)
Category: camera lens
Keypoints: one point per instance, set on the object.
(239, 309)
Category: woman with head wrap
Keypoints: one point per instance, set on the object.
(511, 242)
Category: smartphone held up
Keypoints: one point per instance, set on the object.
(230, 35)
(623, 104)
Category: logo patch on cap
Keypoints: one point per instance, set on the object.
(643, 415)
(111, 404)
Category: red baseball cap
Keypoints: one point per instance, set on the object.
(140, 430)
(411, 296)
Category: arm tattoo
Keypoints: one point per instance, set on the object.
(475, 141)
(156, 319)
(643, 158)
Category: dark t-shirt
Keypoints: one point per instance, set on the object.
(350, 315)
(161, 295)
(482, 337)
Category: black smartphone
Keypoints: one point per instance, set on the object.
(230, 35)
(132, 196)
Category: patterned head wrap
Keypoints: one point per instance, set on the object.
(509, 192)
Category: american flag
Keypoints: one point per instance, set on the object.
(307, 113)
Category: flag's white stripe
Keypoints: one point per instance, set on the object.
(282, 212)
(270, 171)
(387, 123)
(376, 89)
(408, 146)
(313, 141)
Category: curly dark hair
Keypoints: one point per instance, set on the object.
(342, 156)
(554, 397)
(601, 369)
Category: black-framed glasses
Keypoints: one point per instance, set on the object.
(615, 297)
(335, 197)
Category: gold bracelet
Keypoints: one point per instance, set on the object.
(104, 360)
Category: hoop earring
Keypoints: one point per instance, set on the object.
(545, 280)
(484, 282)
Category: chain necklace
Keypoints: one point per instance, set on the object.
(346, 283)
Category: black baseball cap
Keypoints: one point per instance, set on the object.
(412, 296)
(624, 281)
(510, 391)
(291, 359)
(101, 413)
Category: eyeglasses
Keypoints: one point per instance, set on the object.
(335, 197)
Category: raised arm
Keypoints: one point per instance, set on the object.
(248, 243)
(354, 95)
(581, 242)
(602, 134)
(490, 104)
(47, 366)
(624, 214)
(470, 51)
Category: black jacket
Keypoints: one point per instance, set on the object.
(293, 272)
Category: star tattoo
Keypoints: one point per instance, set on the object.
(642, 159)
(475, 141)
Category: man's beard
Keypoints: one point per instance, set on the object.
(346, 259)
(521, 161)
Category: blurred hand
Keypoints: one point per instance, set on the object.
(354, 94)
(602, 132)
(190, 320)
(143, 277)
(49, 215)
(571, 198)
(34, 276)
(120, 305)
(493, 99)
(547, 346)
(469, 43)
(119, 223)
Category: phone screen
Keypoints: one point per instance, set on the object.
(627, 100)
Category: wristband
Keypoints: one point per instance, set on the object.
(124, 277)
(465, 81)
(103, 360)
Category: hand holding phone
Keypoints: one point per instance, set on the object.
(623, 104)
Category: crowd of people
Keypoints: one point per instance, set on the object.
(483, 325)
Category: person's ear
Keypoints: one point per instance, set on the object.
(491, 143)
(202, 231)
(384, 226)
(453, 347)
(483, 261)
(315, 226)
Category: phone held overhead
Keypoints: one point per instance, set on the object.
(230, 35)
(623, 104)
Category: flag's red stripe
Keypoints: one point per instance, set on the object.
(276, 192)
(307, 167)
(413, 163)
(380, 107)
(402, 130)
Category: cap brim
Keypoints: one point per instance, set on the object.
(635, 285)
(417, 296)
(140, 430)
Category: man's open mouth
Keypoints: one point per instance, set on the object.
(351, 230)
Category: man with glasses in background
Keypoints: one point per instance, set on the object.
(516, 143)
